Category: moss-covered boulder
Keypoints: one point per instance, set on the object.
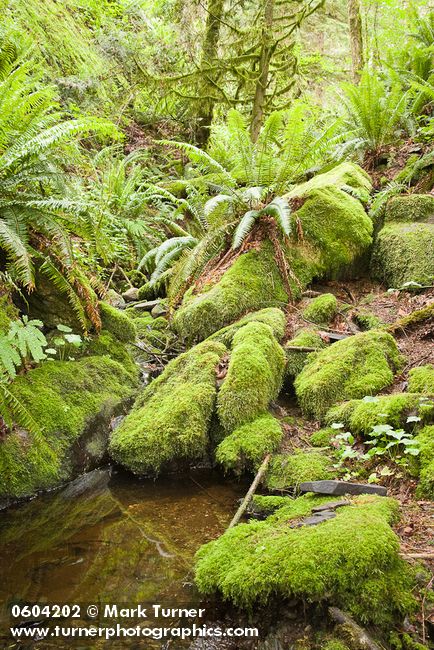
(8, 311)
(321, 310)
(168, 425)
(289, 470)
(254, 376)
(403, 252)
(252, 282)
(410, 207)
(350, 561)
(421, 380)
(351, 368)
(426, 458)
(117, 323)
(246, 447)
(333, 232)
(73, 403)
(296, 359)
(360, 416)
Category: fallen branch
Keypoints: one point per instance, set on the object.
(354, 630)
(418, 556)
(252, 489)
(301, 348)
(418, 316)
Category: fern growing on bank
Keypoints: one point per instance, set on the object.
(22, 344)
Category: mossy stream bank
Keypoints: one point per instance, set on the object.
(239, 338)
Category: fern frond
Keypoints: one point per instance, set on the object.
(244, 227)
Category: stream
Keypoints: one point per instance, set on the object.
(110, 538)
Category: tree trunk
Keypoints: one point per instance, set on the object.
(267, 48)
(356, 40)
(209, 56)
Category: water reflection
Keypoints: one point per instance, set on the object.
(111, 538)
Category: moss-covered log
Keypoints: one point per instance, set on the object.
(169, 423)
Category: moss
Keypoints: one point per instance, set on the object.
(254, 376)
(117, 323)
(287, 471)
(336, 231)
(64, 397)
(252, 282)
(106, 344)
(296, 359)
(360, 416)
(344, 174)
(246, 447)
(321, 310)
(334, 224)
(421, 380)
(323, 437)
(8, 311)
(169, 422)
(353, 367)
(410, 207)
(426, 459)
(366, 320)
(401, 254)
(146, 292)
(335, 644)
(271, 316)
(350, 561)
(265, 505)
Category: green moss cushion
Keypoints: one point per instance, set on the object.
(411, 207)
(63, 397)
(351, 561)
(254, 376)
(169, 422)
(404, 252)
(351, 368)
(289, 470)
(246, 447)
(252, 282)
(426, 443)
(360, 416)
(117, 323)
(321, 310)
(421, 380)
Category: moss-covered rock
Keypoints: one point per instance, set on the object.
(351, 368)
(359, 416)
(266, 504)
(336, 232)
(246, 447)
(401, 254)
(410, 207)
(252, 282)
(350, 561)
(366, 320)
(117, 323)
(426, 458)
(146, 292)
(254, 376)
(169, 422)
(321, 310)
(296, 359)
(289, 470)
(421, 380)
(71, 401)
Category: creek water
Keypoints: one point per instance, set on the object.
(110, 538)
